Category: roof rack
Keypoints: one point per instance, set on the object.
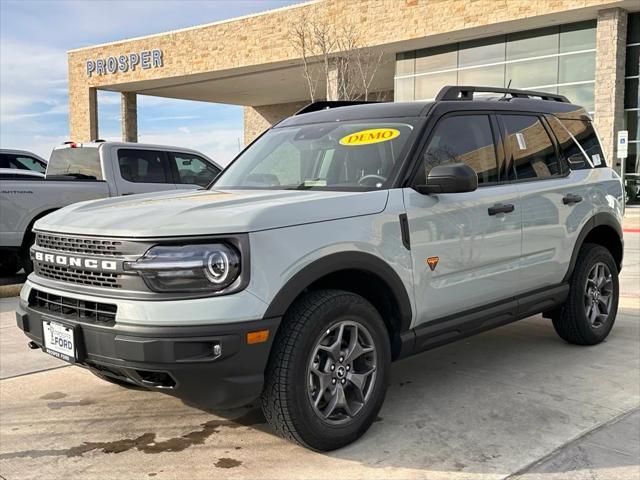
(462, 92)
(326, 105)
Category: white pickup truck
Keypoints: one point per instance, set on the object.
(85, 171)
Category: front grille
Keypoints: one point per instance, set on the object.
(79, 277)
(88, 246)
(73, 308)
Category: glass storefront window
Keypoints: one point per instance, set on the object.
(437, 58)
(491, 76)
(631, 93)
(531, 73)
(578, 36)
(582, 95)
(577, 68)
(632, 125)
(633, 54)
(515, 58)
(405, 63)
(533, 43)
(481, 52)
(428, 86)
(404, 89)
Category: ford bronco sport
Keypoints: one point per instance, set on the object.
(340, 240)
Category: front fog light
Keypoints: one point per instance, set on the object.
(189, 268)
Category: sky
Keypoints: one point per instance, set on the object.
(35, 36)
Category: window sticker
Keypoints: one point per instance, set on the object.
(596, 159)
(367, 137)
(521, 143)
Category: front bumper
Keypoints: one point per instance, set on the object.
(178, 360)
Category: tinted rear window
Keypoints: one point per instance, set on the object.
(575, 138)
(84, 161)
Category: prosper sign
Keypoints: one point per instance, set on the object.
(123, 63)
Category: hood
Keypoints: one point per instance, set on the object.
(207, 212)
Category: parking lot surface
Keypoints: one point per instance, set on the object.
(514, 402)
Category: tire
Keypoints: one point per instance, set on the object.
(300, 351)
(25, 260)
(575, 322)
(8, 264)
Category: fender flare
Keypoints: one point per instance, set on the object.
(599, 219)
(336, 262)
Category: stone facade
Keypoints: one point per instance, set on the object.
(260, 42)
(258, 119)
(611, 41)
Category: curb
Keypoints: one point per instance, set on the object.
(7, 291)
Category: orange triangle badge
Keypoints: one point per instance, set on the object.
(432, 262)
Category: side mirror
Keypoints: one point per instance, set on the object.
(449, 178)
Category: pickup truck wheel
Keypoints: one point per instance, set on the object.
(8, 264)
(588, 314)
(328, 370)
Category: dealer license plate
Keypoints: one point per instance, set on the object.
(59, 340)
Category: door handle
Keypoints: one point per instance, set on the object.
(571, 198)
(501, 208)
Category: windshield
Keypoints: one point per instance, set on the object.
(324, 156)
(81, 163)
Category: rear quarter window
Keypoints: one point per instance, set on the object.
(578, 143)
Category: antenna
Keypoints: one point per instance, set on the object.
(504, 97)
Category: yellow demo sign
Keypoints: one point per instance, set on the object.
(367, 137)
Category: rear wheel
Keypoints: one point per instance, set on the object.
(328, 372)
(587, 316)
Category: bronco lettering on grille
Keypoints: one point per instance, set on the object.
(70, 261)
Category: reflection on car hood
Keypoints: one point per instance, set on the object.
(205, 212)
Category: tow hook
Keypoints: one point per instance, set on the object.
(33, 345)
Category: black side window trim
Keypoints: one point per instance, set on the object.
(417, 159)
(509, 153)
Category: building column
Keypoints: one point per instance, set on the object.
(129, 116)
(83, 114)
(258, 119)
(611, 40)
(336, 87)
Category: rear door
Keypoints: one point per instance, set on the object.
(554, 201)
(477, 248)
(138, 170)
(192, 171)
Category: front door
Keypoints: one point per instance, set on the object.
(466, 247)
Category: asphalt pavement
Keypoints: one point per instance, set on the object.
(515, 402)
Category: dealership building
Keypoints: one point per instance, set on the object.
(587, 50)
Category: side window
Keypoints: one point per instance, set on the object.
(583, 133)
(29, 163)
(463, 139)
(143, 166)
(194, 170)
(20, 162)
(533, 153)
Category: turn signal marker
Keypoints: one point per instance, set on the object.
(432, 262)
(260, 336)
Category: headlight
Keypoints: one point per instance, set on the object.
(189, 268)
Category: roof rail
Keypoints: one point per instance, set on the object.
(462, 92)
(326, 105)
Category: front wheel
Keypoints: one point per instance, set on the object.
(588, 314)
(328, 371)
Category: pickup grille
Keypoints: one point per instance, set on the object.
(86, 246)
(73, 308)
(79, 277)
